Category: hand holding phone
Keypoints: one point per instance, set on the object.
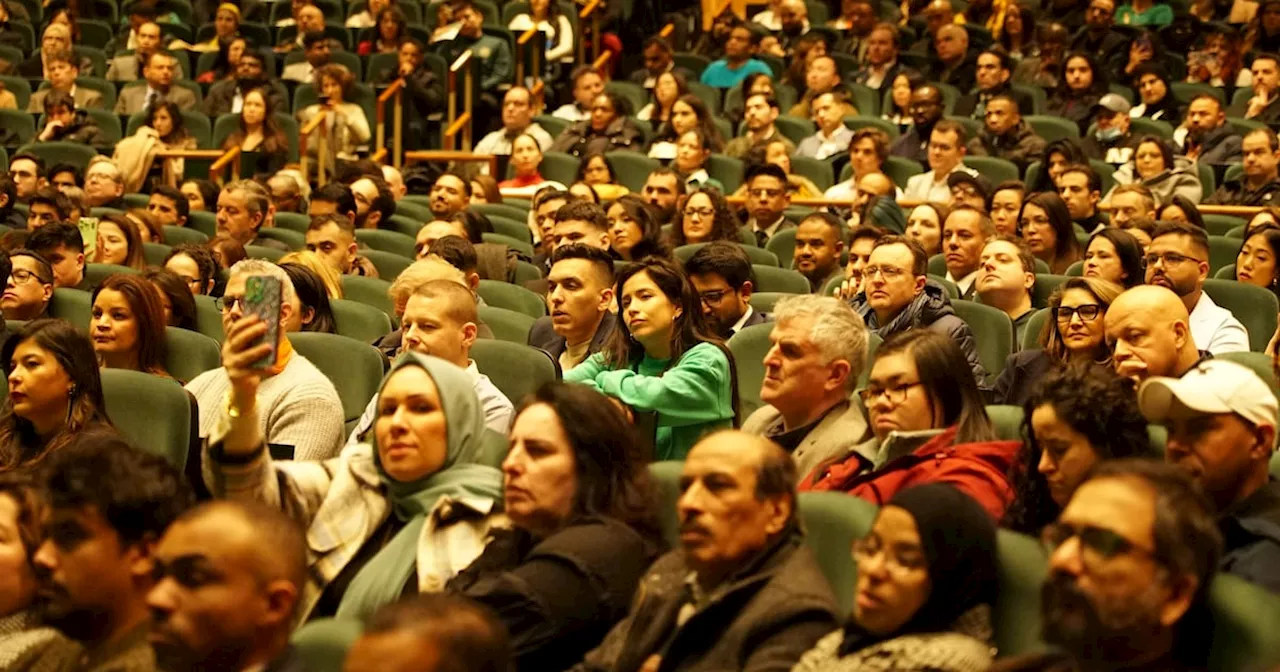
(262, 300)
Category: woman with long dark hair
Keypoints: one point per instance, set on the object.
(1115, 256)
(687, 114)
(1155, 88)
(257, 131)
(1180, 209)
(392, 27)
(1258, 262)
(634, 231)
(1073, 333)
(1079, 416)
(662, 359)
(667, 89)
(163, 128)
(176, 300)
(926, 584)
(546, 16)
(119, 243)
(921, 386)
(127, 325)
(227, 60)
(596, 171)
(54, 392)
(1056, 157)
(1083, 83)
(584, 529)
(316, 313)
(1046, 227)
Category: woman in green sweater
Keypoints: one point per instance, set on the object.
(662, 359)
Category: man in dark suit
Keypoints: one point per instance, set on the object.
(159, 73)
(227, 96)
(721, 272)
(251, 561)
(580, 295)
(992, 78)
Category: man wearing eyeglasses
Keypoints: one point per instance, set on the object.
(1222, 420)
(29, 287)
(767, 201)
(721, 272)
(925, 108)
(1178, 259)
(896, 296)
(296, 406)
(1130, 555)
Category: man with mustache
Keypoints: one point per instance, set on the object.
(1149, 335)
(1178, 259)
(721, 272)
(228, 578)
(449, 195)
(1221, 419)
(1205, 136)
(742, 591)
(109, 503)
(1132, 553)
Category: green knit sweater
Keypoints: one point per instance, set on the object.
(691, 398)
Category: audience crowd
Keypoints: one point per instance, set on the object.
(828, 337)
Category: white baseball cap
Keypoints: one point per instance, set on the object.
(1212, 387)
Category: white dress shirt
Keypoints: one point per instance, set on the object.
(1215, 329)
(932, 188)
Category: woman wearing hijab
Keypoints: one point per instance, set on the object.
(400, 515)
(926, 581)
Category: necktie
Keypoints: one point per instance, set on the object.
(151, 99)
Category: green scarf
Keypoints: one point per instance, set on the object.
(466, 473)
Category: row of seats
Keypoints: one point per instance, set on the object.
(1246, 618)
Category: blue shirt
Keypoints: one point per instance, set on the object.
(721, 76)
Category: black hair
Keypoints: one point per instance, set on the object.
(598, 257)
(475, 223)
(584, 212)
(336, 193)
(54, 235)
(204, 260)
(312, 295)
(182, 305)
(75, 171)
(180, 202)
(948, 380)
(456, 250)
(725, 259)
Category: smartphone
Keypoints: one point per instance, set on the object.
(89, 235)
(324, 100)
(262, 298)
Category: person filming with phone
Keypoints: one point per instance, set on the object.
(296, 406)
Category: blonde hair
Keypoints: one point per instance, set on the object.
(420, 273)
(312, 261)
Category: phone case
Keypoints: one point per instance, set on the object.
(89, 234)
(262, 298)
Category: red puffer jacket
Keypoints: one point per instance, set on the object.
(976, 469)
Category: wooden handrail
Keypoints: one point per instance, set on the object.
(304, 136)
(460, 61)
(601, 61)
(667, 31)
(457, 125)
(589, 12)
(397, 133)
(1205, 209)
(232, 156)
(379, 156)
(526, 36)
(589, 9)
(444, 155)
(216, 154)
(539, 94)
(534, 68)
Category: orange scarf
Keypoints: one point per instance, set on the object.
(283, 354)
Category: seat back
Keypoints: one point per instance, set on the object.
(784, 280)
(1259, 363)
(1020, 572)
(72, 305)
(783, 246)
(369, 291)
(387, 241)
(354, 368)
(506, 325)
(512, 297)
(190, 353)
(666, 480)
(832, 521)
(632, 168)
(389, 264)
(208, 318)
(749, 346)
(517, 370)
(356, 320)
(155, 413)
(1254, 306)
(757, 255)
(992, 333)
(1046, 284)
(180, 235)
(1035, 325)
(61, 152)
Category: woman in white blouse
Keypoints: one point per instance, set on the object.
(546, 16)
(347, 125)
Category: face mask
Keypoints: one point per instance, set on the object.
(1107, 135)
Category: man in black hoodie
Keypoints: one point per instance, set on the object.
(1006, 135)
(1206, 136)
(993, 78)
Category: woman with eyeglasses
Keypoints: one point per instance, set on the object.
(926, 583)
(1078, 416)
(1046, 226)
(55, 392)
(1116, 256)
(927, 412)
(703, 217)
(1073, 333)
(662, 359)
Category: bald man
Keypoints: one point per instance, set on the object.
(739, 541)
(1149, 330)
(228, 579)
(953, 64)
(432, 632)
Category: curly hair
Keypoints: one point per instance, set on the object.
(723, 226)
(1094, 402)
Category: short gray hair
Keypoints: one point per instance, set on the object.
(838, 330)
(264, 267)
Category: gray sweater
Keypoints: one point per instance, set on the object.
(298, 407)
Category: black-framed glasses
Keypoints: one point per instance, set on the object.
(22, 276)
(1167, 258)
(714, 297)
(1098, 545)
(896, 394)
(1088, 312)
(225, 303)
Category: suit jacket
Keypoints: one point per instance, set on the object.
(757, 317)
(543, 337)
(86, 99)
(843, 429)
(126, 68)
(133, 99)
(221, 96)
